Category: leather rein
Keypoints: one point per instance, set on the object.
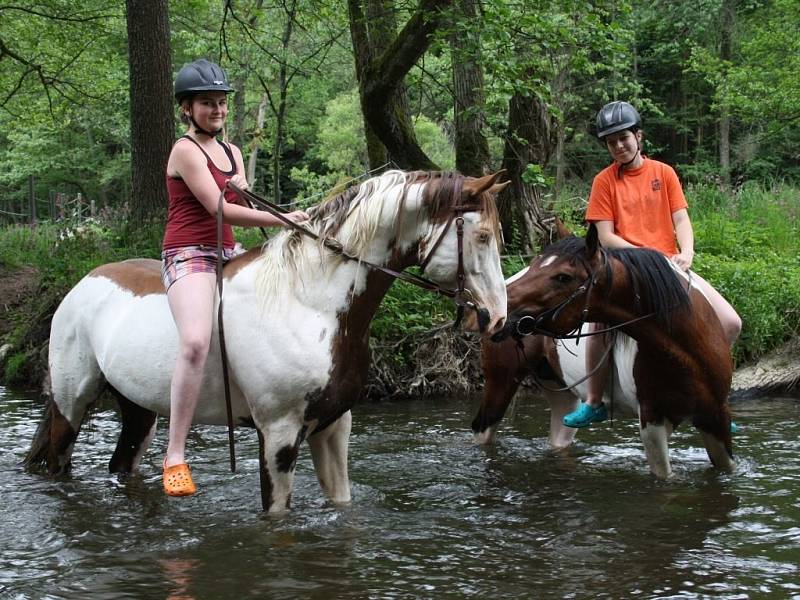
(462, 296)
(523, 328)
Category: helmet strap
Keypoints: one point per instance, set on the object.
(624, 166)
(198, 129)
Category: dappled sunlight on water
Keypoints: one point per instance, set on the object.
(432, 514)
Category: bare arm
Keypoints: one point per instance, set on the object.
(609, 239)
(685, 236)
(188, 162)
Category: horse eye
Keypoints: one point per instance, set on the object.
(483, 237)
(562, 278)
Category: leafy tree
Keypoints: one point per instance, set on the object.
(383, 59)
(63, 79)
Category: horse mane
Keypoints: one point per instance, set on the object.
(657, 287)
(352, 217)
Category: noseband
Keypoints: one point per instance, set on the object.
(530, 325)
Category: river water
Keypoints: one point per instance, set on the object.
(433, 516)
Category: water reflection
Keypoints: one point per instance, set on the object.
(178, 575)
(432, 515)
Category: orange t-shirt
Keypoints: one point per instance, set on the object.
(640, 203)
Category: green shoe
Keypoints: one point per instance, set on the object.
(585, 416)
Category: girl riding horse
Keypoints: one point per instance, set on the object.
(671, 355)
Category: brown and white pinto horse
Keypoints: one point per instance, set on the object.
(672, 365)
(297, 319)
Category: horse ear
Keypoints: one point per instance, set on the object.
(592, 241)
(475, 186)
(498, 187)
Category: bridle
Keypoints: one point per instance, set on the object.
(462, 296)
(532, 324)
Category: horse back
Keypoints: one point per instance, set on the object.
(139, 276)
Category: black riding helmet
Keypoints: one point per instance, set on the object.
(200, 76)
(617, 116)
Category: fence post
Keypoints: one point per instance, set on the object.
(31, 200)
(79, 207)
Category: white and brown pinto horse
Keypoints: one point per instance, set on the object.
(296, 319)
(671, 360)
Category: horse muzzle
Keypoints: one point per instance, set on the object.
(520, 325)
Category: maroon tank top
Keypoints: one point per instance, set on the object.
(188, 221)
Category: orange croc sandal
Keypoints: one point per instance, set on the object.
(178, 480)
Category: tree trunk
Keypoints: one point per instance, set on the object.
(236, 134)
(472, 149)
(381, 74)
(152, 108)
(255, 143)
(725, 53)
(280, 110)
(529, 140)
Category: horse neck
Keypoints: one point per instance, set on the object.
(395, 246)
(618, 305)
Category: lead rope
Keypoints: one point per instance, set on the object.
(223, 352)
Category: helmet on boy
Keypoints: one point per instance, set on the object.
(617, 116)
(200, 76)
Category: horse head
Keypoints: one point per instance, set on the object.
(462, 248)
(552, 295)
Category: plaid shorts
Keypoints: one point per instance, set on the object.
(179, 262)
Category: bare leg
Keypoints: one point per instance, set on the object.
(561, 404)
(731, 322)
(597, 365)
(596, 346)
(191, 300)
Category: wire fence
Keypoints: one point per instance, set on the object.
(60, 206)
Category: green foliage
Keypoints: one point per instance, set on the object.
(340, 139)
(66, 251)
(14, 369)
(747, 245)
(434, 142)
(748, 223)
(341, 148)
(764, 291)
(407, 309)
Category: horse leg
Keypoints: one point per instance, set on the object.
(718, 451)
(716, 432)
(503, 370)
(329, 453)
(278, 448)
(65, 411)
(138, 429)
(561, 403)
(655, 438)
